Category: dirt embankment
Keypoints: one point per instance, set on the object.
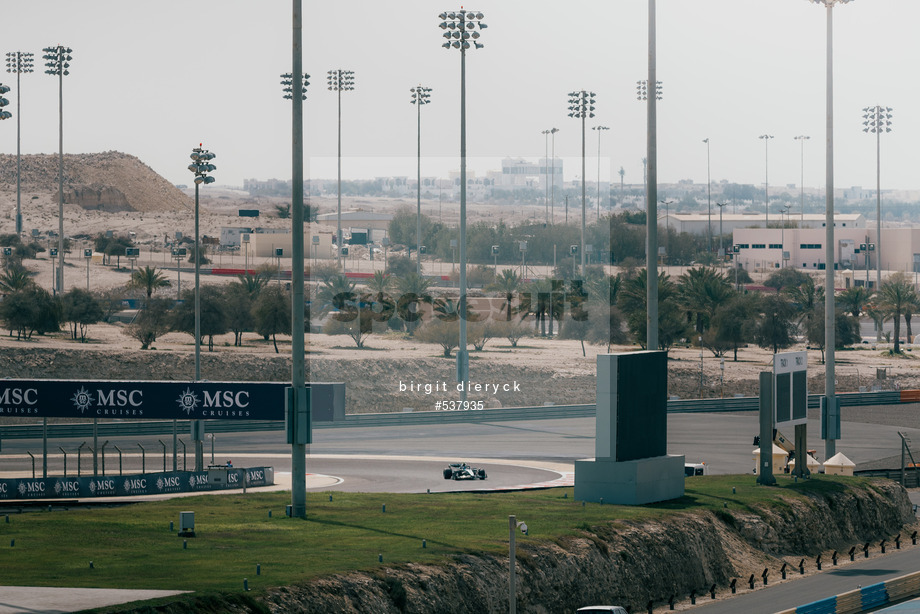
(624, 563)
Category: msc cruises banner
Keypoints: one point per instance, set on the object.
(142, 399)
(135, 485)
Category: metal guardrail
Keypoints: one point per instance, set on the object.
(547, 412)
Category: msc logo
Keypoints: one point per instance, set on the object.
(19, 396)
(256, 475)
(67, 487)
(133, 484)
(3, 488)
(83, 399)
(31, 488)
(226, 398)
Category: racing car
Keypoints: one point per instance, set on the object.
(462, 471)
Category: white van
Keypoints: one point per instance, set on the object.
(601, 609)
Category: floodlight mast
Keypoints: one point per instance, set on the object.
(19, 62)
(581, 106)
(299, 400)
(830, 329)
(340, 81)
(877, 120)
(420, 96)
(201, 165)
(57, 60)
(460, 28)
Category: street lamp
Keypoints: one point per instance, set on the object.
(581, 106)
(57, 60)
(877, 120)
(782, 240)
(18, 62)
(340, 81)
(651, 181)
(460, 30)
(830, 331)
(802, 138)
(709, 198)
(546, 134)
(552, 193)
(766, 186)
(420, 97)
(599, 129)
(200, 167)
(721, 235)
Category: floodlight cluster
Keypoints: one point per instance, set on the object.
(19, 62)
(642, 90)
(57, 60)
(460, 28)
(341, 80)
(3, 102)
(288, 83)
(420, 95)
(581, 104)
(201, 165)
(877, 119)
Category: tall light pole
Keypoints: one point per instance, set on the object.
(19, 62)
(830, 331)
(552, 189)
(420, 97)
(877, 120)
(599, 129)
(766, 185)
(651, 181)
(298, 410)
(57, 61)
(581, 106)
(545, 134)
(802, 138)
(201, 165)
(340, 81)
(709, 191)
(721, 248)
(460, 30)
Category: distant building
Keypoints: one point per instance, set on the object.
(699, 223)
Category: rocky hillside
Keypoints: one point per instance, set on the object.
(108, 181)
(625, 563)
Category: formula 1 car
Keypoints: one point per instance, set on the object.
(462, 471)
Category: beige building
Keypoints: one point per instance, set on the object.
(317, 245)
(762, 249)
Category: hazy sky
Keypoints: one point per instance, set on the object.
(154, 79)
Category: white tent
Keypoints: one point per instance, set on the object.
(779, 458)
(811, 462)
(839, 465)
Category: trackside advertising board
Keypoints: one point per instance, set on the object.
(131, 485)
(139, 400)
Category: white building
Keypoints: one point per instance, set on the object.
(698, 223)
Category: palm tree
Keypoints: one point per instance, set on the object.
(336, 291)
(15, 278)
(380, 283)
(253, 284)
(149, 279)
(632, 301)
(806, 299)
(896, 296)
(701, 291)
(854, 300)
(507, 283)
(412, 289)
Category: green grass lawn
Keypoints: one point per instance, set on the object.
(131, 546)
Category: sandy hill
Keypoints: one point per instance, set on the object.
(108, 181)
